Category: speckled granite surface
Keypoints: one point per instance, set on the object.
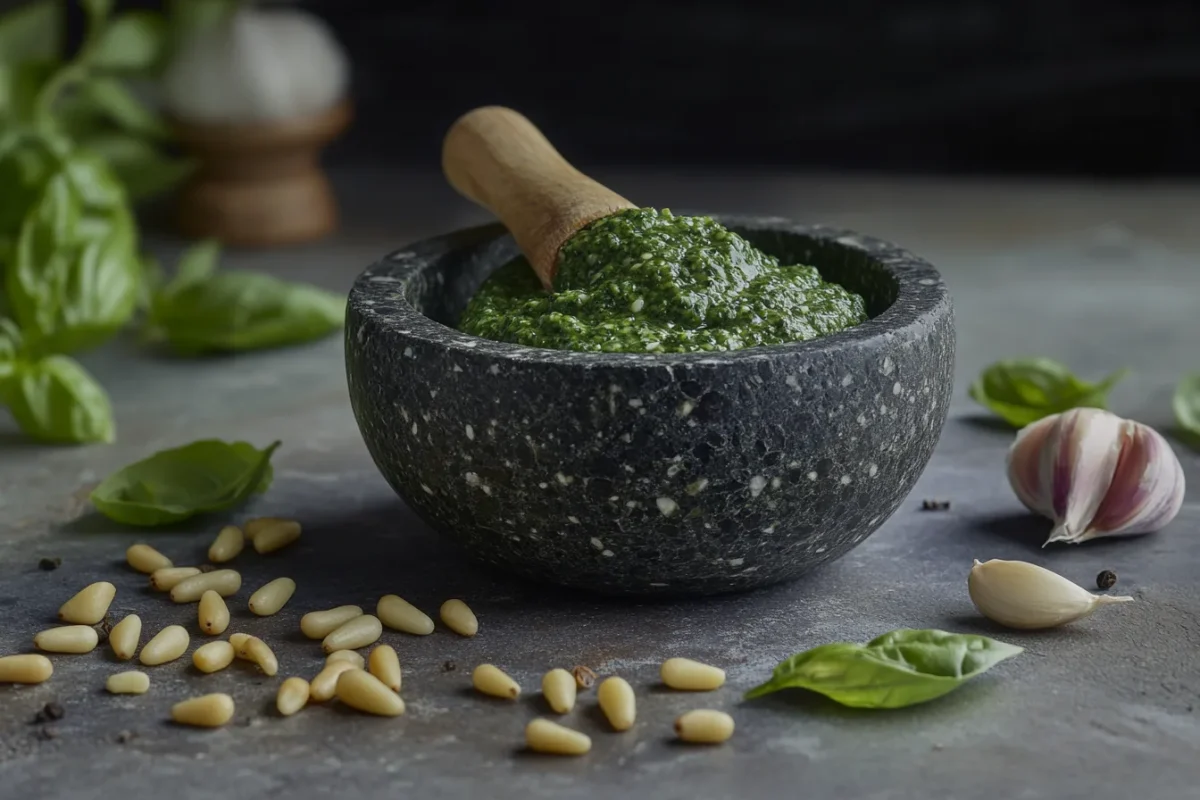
(1104, 709)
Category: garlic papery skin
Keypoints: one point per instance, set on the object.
(1017, 594)
(256, 65)
(1096, 474)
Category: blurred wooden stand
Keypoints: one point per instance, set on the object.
(260, 185)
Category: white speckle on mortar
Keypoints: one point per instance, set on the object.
(812, 476)
(596, 543)
(573, 518)
(667, 506)
(470, 433)
(873, 471)
(845, 480)
(736, 562)
(888, 365)
(757, 484)
(427, 489)
(685, 408)
(607, 553)
(635, 402)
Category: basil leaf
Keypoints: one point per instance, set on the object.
(33, 32)
(1022, 391)
(197, 264)
(172, 485)
(110, 97)
(56, 400)
(20, 85)
(135, 40)
(1186, 405)
(232, 311)
(901, 668)
(74, 277)
(140, 165)
(27, 162)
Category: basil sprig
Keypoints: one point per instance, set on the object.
(1022, 391)
(901, 668)
(1186, 405)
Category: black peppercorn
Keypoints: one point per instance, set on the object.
(1106, 579)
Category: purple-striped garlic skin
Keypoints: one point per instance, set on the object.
(1096, 474)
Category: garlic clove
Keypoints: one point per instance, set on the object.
(1017, 594)
(1095, 475)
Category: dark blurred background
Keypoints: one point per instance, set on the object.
(1100, 88)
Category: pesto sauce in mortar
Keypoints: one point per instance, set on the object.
(646, 281)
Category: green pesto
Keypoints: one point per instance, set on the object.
(645, 280)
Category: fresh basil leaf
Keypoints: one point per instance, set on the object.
(1022, 391)
(20, 85)
(135, 40)
(56, 400)
(74, 278)
(27, 162)
(111, 98)
(233, 311)
(33, 32)
(197, 264)
(172, 485)
(898, 669)
(140, 165)
(1186, 405)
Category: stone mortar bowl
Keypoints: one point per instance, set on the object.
(651, 474)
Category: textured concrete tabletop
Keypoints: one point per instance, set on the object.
(1107, 708)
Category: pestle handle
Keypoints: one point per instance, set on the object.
(497, 158)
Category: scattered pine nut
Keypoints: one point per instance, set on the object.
(319, 624)
(124, 637)
(167, 578)
(324, 686)
(385, 665)
(358, 632)
(585, 678)
(459, 618)
(292, 696)
(167, 645)
(132, 682)
(89, 605)
(255, 526)
(67, 639)
(238, 640)
(213, 613)
(688, 675)
(213, 657)
(544, 736)
(364, 692)
(617, 702)
(26, 668)
(207, 711)
(347, 655)
(255, 650)
(491, 680)
(146, 559)
(401, 615)
(278, 534)
(228, 545)
(704, 726)
(224, 582)
(272, 597)
(558, 687)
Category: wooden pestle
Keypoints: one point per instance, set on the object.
(500, 160)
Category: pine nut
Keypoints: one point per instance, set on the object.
(255, 650)
(146, 559)
(224, 582)
(167, 578)
(319, 624)
(459, 618)
(238, 640)
(585, 678)
(132, 682)
(490, 679)
(272, 597)
(385, 665)
(558, 687)
(207, 711)
(27, 668)
(401, 615)
(324, 686)
(213, 657)
(255, 526)
(544, 736)
(347, 655)
(704, 726)
(124, 637)
(228, 545)
(363, 691)
(358, 632)
(292, 696)
(277, 535)
(90, 605)
(683, 673)
(617, 702)
(67, 639)
(167, 645)
(213, 613)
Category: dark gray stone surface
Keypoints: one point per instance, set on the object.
(1103, 709)
(651, 473)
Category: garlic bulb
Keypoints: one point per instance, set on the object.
(1095, 474)
(256, 65)
(1021, 595)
